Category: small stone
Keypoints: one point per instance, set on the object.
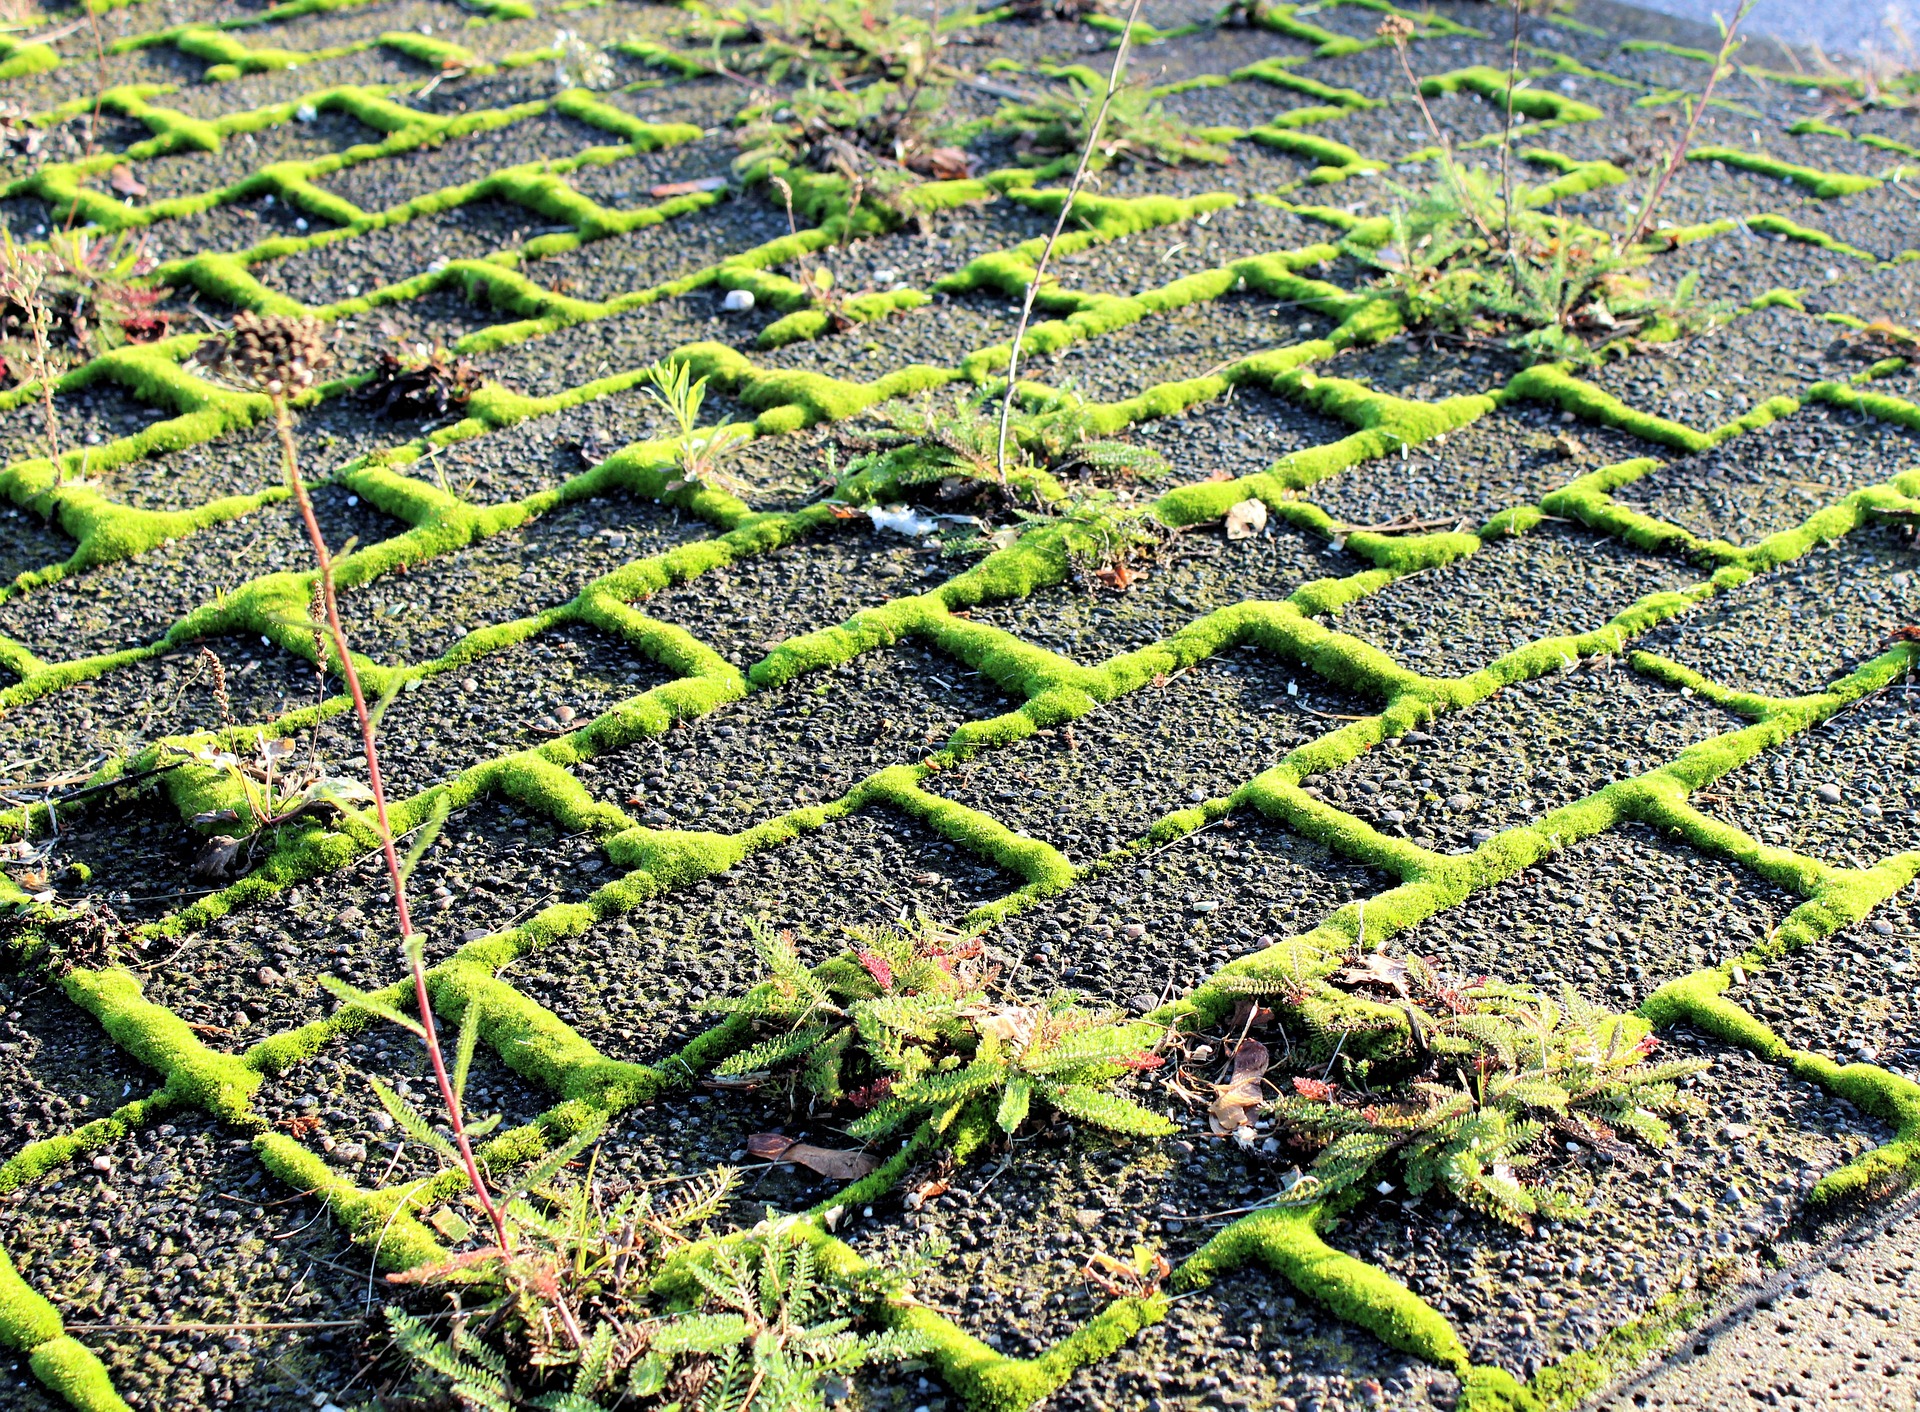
(1828, 794)
(1203, 908)
(1141, 1004)
(1136, 931)
(738, 301)
(1459, 803)
(103, 1163)
(382, 1121)
(1882, 926)
(1393, 816)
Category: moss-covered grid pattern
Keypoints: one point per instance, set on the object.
(1309, 645)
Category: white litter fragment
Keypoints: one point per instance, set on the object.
(902, 519)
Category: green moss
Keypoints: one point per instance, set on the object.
(1568, 1383)
(22, 57)
(1822, 184)
(1491, 84)
(1288, 1242)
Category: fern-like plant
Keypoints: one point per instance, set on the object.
(1136, 126)
(906, 1028)
(566, 1324)
(1459, 264)
(1496, 1070)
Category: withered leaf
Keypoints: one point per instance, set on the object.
(688, 188)
(1235, 1101)
(122, 180)
(840, 1163)
(1375, 969)
(1247, 519)
(218, 859)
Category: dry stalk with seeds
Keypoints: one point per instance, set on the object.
(1729, 41)
(24, 310)
(1060, 224)
(283, 357)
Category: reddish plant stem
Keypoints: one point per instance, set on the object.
(1455, 176)
(283, 424)
(1728, 43)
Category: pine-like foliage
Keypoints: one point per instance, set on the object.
(1499, 1068)
(906, 1027)
(1549, 288)
(955, 445)
(568, 1323)
(1137, 126)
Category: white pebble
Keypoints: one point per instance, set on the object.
(738, 301)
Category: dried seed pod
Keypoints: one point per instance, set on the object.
(277, 353)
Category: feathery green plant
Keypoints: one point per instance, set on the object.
(1553, 291)
(826, 40)
(1137, 126)
(568, 1322)
(906, 1028)
(1497, 1069)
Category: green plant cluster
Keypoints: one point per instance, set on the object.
(909, 1029)
(590, 1087)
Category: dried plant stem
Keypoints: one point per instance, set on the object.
(1729, 41)
(1506, 140)
(1447, 162)
(290, 463)
(99, 87)
(1046, 251)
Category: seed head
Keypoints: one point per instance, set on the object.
(278, 354)
(1397, 28)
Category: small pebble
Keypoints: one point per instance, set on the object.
(1828, 794)
(738, 301)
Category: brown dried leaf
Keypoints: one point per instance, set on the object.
(1375, 969)
(1235, 1101)
(688, 188)
(843, 1164)
(1247, 519)
(218, 859)
(122, 180)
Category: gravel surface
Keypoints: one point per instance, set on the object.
(1557, 579)
(1806, 623)
(178, 1223)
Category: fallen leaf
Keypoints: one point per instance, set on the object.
(1247, 519)
(1124, 1281)
(218, 858)
(122, 180)
(1375, 969)
(1248, 1014)
(1236, 1100)
(840, 1163)
(945, 164)
(302, 1126)
(687, 188)
(926, 1192)
(1217, 474)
